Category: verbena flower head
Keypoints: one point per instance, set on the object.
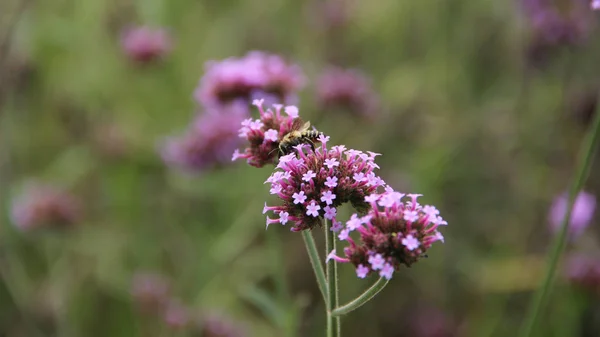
(581, 215)
(243, 79)
(584, 272)
(45, 206)
(396, 231)
(208, 143)
(347, 89)
(145, 44)
(312, 185)
(151, 292)
(264, 134)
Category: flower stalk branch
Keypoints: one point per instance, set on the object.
(362, 299)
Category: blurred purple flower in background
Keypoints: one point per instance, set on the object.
(347, 89)
(581, 215)
(584, 272)
(595, 4)
(257, 75)
(45, 206)
(145, 44)
(209, 142)
(553, 27)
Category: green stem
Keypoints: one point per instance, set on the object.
(315, 261)
(333, 323)
(588, 149)
(362, 299)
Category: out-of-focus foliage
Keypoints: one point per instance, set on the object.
(470, 115)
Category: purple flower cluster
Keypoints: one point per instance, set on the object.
(581, 215)
(225, 93)
(314, 184)
(256, 75)
(146, 44)
(553, 27)
(264, 134)
(209, 141)
(584, 272)
(45, 206)
(348, 89)
(393, 233)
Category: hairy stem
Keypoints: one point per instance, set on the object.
(315, 261)
(333, 323)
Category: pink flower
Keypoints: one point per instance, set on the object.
(581, 215)
(207, 143)
(328, 197)
(255, 75)
(45, 206)
(362, 271)
(313, 209)
(349, 90)
(145, 44)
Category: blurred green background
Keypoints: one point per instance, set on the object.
(472, 117)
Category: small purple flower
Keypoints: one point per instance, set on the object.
(331, 182)
(313, 209)
(362, 271)
(376, 261)
(299, 198)
(328, 197)
(336, 226)
(308, 176)
(387, 271)
(347, 89)
(256, 75)
(581, 215)
(145, 44)
(330, 212)
(387, 237)
(595, 5)
(45, 206)
(410, 242)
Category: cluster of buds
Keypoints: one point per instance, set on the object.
(256, 75)
(348, 89)
(209, 141)
(393, 233)
(265, 133)
(45, 206)
(153, 298)
(146, 44)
